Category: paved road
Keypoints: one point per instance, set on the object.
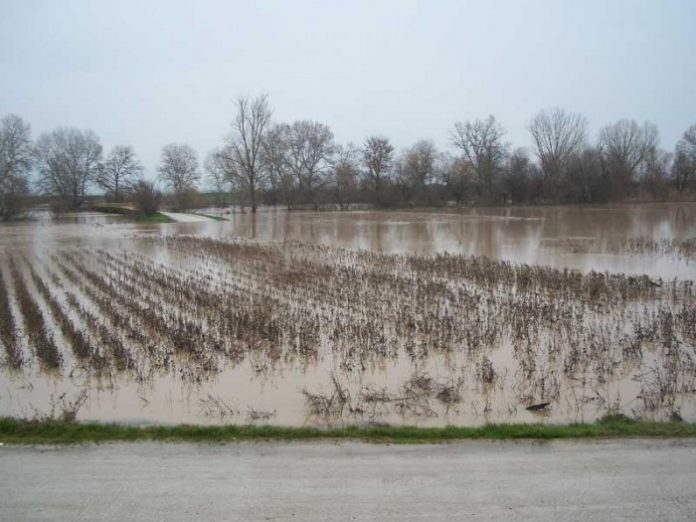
(617, 480)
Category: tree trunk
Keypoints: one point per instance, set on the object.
(252, 198)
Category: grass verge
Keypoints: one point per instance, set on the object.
(138, 217)
(16, 431)
(152, 218)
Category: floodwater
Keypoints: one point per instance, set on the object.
(592, 238)
(579, 237)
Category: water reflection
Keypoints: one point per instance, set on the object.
(566, 237)
(150, 308)
(533, 235)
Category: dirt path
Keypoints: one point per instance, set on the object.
(599, 480)
(181, 217)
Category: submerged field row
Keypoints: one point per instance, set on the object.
(207, 304)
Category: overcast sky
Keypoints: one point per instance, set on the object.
(147, 73)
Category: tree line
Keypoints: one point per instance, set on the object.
(299, 164)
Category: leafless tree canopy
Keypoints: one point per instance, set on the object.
(416, 169)
(241, 159)
(346, 173)
(457, 176)
(119, 172)
(310, 147)
(583, 178)
(299, 164)
(217, 168)
(482, 146)
(519, 174)
(656, 171)
(145, 197)
(68, 160)
(687, 144)
(178, 168)
(16, 160)
(685, 161)
(557, 135)
(276, 161)
(378, 158)
(626, 146)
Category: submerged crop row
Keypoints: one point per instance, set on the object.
(192, 306)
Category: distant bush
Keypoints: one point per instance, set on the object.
(188, 199)
(13, 199)
(59, 206)
(146, 197)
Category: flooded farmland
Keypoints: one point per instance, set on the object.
(554, 314)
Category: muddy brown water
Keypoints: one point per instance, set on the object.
(582, 238)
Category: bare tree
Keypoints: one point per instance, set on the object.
(655, 176)
(68, 160)
(217, 168)
(626, 146)
(685, 158)
(345, 174)
(178, 170)
(458, 177)
(16, 160)
(310, 153)
(481, 143)
(683, 169)
(687, 144)
(119, 172)
(145, 197)
(378, 159)
(584, 181)
(243, 152)
(557, 135)
(518, 175)
(276, 163)
(416, 169)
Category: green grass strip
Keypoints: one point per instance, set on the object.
(152, 218)
(16, 431)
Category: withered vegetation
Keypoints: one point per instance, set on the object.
(193, 306)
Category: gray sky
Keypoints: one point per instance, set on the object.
(147, 73)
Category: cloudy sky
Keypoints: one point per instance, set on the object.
(150, 72)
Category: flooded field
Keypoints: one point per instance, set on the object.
(445, 317)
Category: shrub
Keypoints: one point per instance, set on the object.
(146, 197)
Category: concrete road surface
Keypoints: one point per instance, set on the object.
(601, 480)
